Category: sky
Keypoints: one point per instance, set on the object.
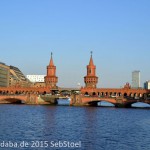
(117, 31)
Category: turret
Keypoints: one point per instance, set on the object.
(91, 79)
(51, 79)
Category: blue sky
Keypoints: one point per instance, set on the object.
(117, 31)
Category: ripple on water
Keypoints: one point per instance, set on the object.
(96, 127)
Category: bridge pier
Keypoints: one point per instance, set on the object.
(76, 100)
(121, 102)
(50, 100)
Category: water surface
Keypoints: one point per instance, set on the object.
(98, 128)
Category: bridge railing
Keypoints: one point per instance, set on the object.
(137, 98)
(12, 94)
(116, 97)
(101, 96)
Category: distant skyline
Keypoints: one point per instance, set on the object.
(118, 33)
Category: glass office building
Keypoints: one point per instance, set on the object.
(135, 79)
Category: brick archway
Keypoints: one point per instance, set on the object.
(92, 100)
(13, 99)
(108, 92)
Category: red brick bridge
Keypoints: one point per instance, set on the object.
(27, 99)
(80, 100)
(121, 97)
(115, 92)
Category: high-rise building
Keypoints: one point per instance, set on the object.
(91, 79)
(135, 79)
(147, 85)
(4, 75)
(51, 79)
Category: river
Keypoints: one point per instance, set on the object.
(90, 128)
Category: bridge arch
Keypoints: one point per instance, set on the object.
(106, 94)
(131, 95)
(110, 93)
(97, 102)
(140, 104)
(102, 94)
(106, 103)
(86, 93)
(93, 101)
(119, 94)
(115, 93)
(12, 101)
(134, 94)
(125, 94)
(16, 92)
(14, 98)
(94, 94)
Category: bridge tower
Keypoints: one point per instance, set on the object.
(51, 79)
(91, 79)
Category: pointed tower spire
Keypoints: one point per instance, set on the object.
(91, 60)
(91, 79)
(51, 60)
(51, 79)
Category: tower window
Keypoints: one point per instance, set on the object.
(90, 71)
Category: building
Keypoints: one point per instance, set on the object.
(17, 78)
(36, 78)
(51, 79)
(38, 84)
(91, 79)
(4, 75)
(147, 85)
(136, 79)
